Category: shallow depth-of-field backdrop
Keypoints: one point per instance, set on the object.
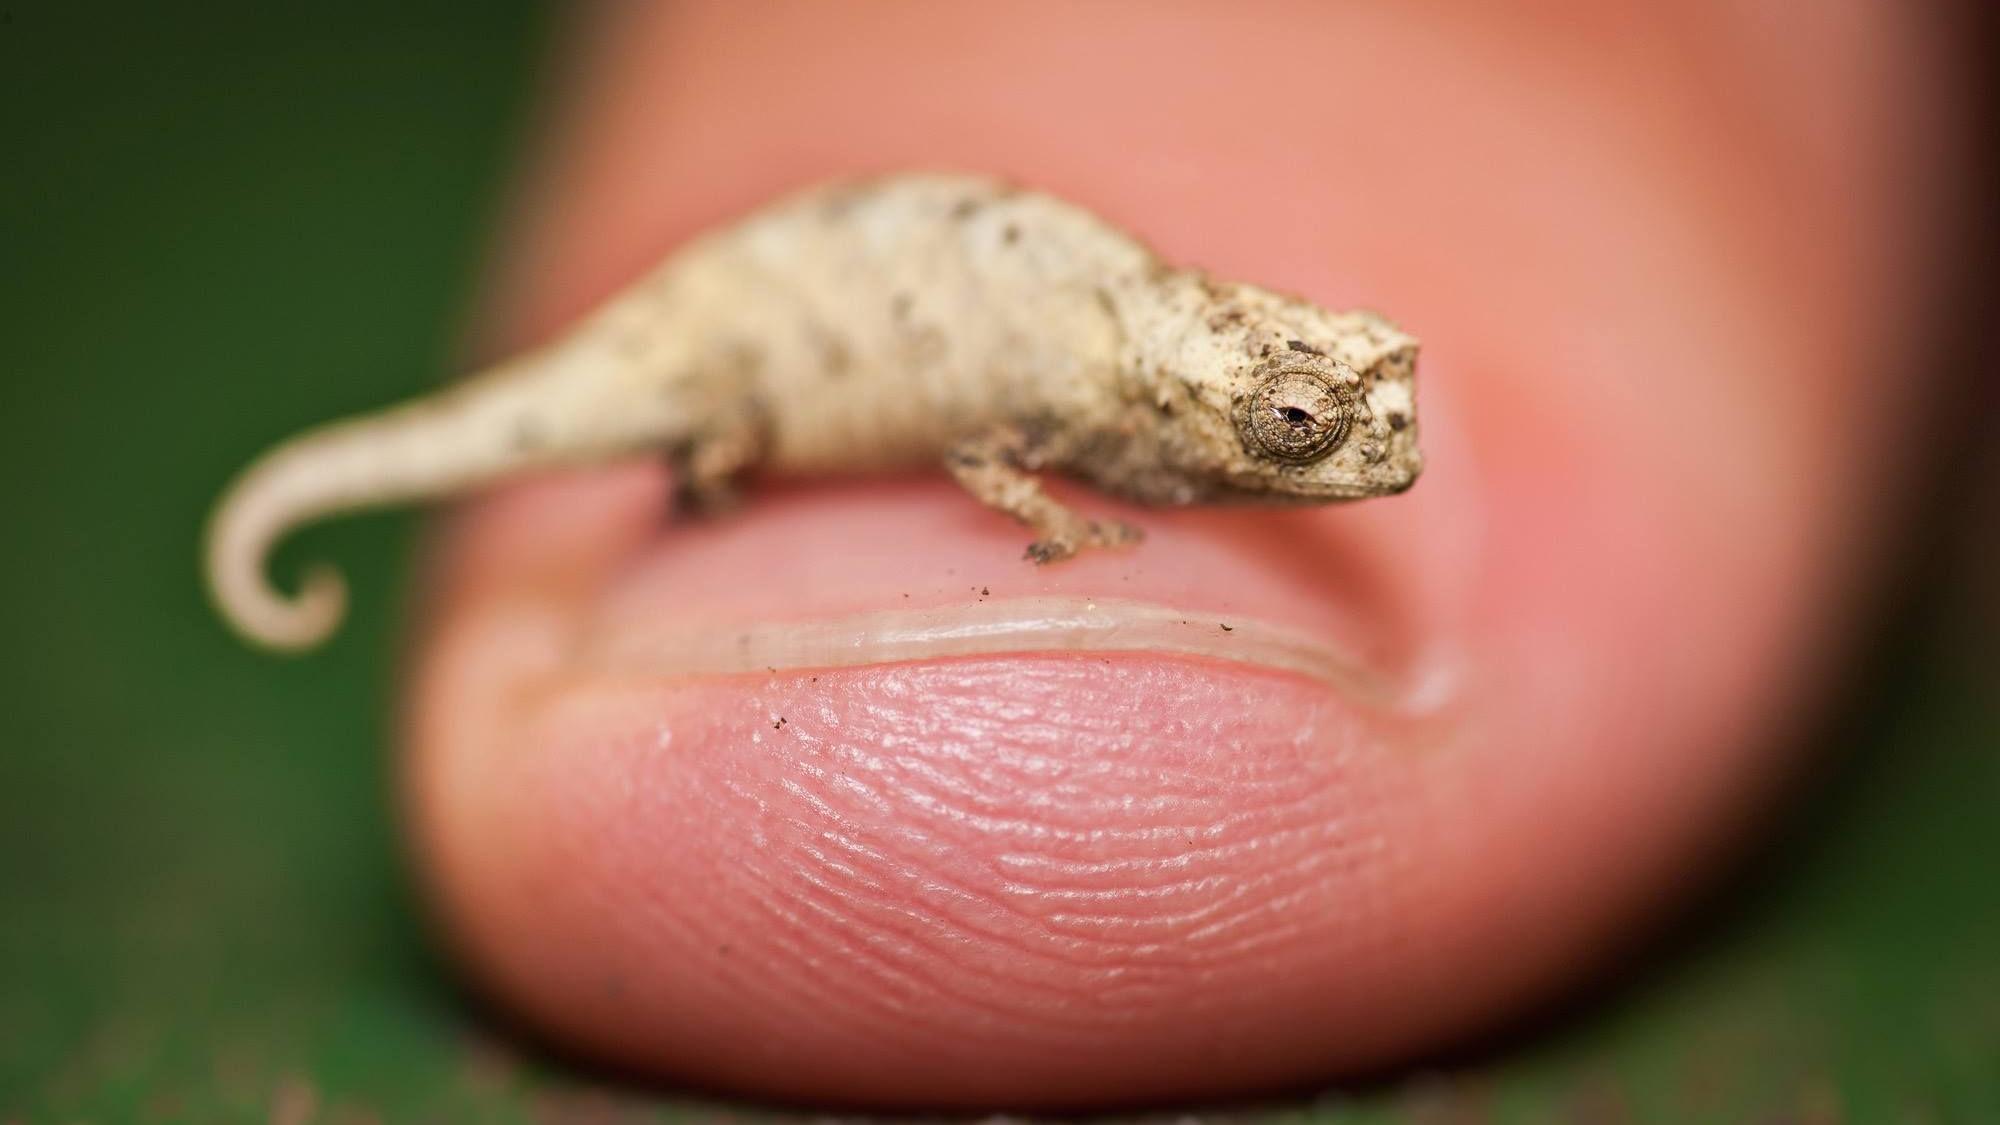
(214, 231)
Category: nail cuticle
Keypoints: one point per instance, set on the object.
(995, 627)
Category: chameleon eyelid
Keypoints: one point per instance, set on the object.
(1273, 422)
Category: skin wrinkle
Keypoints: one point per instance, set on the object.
(849, 913)
(805, 945)
(1011, 897)
(1119, 901)
(1129, 877)
(818, 991)
(820, 997)
(856, 931)
(1109, 903)
(924, 992)
(877, 892)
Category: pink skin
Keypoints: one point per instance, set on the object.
(1656, 262)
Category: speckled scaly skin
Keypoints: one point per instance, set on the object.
(872, 326)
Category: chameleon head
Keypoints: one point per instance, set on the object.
(1309, 427)
(1257, 396)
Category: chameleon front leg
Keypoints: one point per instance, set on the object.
(995, 468)
(707, 466)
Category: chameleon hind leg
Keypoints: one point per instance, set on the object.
(996, 468)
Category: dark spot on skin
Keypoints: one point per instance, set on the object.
(835, 356)
(965, 208)
(1035, 432)
(1265, 350)
(1039, 553)
(985, 592)
(1226, 317)
(779, 725)
(1227, 629)
(1397, 421)
(1302, 346)
(1011, 234)
(745, 357)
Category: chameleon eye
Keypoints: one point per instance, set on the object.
(1293, 416)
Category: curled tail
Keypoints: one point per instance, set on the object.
(327, 470)
(534, 415)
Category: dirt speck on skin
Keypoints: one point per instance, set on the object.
(1229, 628)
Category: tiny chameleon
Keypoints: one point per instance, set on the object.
(870, 326)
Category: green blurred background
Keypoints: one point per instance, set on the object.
(214, 231)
